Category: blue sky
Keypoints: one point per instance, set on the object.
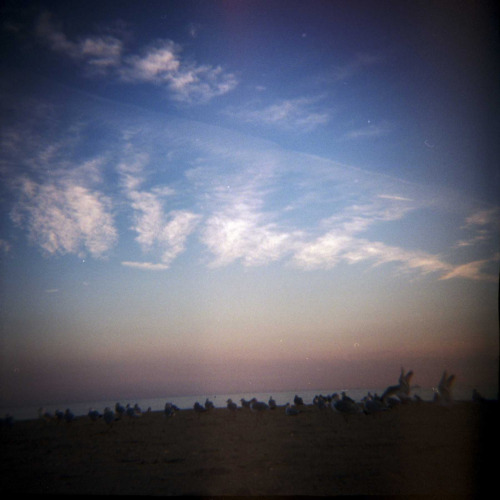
(215, 196)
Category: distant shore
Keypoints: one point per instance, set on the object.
(419, 448)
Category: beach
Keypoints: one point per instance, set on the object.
(419, 448)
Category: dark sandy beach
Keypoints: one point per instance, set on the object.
(420, 449)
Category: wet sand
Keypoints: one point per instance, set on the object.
(417, 449)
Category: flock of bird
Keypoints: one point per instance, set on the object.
(371, 403)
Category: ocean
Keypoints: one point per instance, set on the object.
(219, 400)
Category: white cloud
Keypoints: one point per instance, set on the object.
(368, 132)
(159, 64)
(165, 232)
(474, 271)
(99, 52)
(234, 238)
(302, 113)
(64, 217)
(147, 266)
(358, 64)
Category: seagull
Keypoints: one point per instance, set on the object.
(245, 403)
(231, 405)
(258, 406)
(198, 408)
(169, 410)
(402, 390)
(443, 394)
(321, 402)
(272, 403)
(374, 404)
(346, 404)
(291, 410)
(209, 405)
(133, 411)
(298, 400)
(44, 415)
(109, 416)
(94, 414)
(119, 409)
(69, 416)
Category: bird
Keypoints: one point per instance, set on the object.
(272, 403)
(231, 405)
(109, 416)
(69, 416)
(401, 390)
(443, 393)
(59, 414)
(119, 409)
(258, 406)
(209, 405)
(321, 402)
(45, 415)
(198, 408)
(374, 404)
(291, 410)
(298, 400)
(133, 411)
(94, 414)
(169, 410)
(346, 404)
(245, 403)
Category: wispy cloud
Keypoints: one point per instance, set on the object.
(299, 113)
(99, 53)
(474, 271)
(480, 225)
(370, 131)
(165, 232)
(159, 64)
(65, 217)
(359, 63)
(147, 266)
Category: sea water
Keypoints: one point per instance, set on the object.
(220, 400)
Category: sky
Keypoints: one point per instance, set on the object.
(202, 197)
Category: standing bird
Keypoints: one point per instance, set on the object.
(44, 415)
(298, 400)
(109, 416)
(209, 405)
(245, 403)
(231, 405)
(198, 408)
(94, 414)
(272, 403)
(346, 404)
(169, 410)
(258, 406)
(119, 409)
(69, 416)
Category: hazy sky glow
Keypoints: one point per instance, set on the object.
(203, 197)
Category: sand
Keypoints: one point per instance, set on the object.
(417, 449)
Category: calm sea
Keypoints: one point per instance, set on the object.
(219, 400)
